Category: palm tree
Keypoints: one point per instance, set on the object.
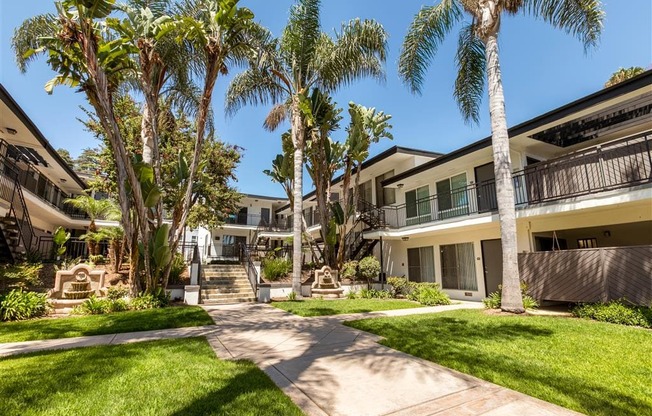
(286, 69)
(477, 57)
(365, 127)
(623, 74)
(96, 210)
(84, 56)
(220, 35)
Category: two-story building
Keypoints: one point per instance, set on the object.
(34, 183)
(582, 181)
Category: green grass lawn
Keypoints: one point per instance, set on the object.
(318, 307)
(77, 326)
(590, 367)
(169, 377)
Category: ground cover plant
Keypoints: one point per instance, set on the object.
(168, 377)
(131, 321)
(615, 312)
(319, 307)
(591, 367)
(18, 305)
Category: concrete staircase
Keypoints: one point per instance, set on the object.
(223, 284)
(11, 247)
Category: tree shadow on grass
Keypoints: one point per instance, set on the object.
(250, 392)
(457, 343)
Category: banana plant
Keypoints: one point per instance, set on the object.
(60, 238)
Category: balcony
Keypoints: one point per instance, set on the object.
(620, 164)
(36, 183)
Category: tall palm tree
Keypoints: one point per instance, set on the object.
(286, 69)
(477, 57)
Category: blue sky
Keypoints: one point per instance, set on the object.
(542, 68)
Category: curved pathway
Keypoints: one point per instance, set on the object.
(330, 369)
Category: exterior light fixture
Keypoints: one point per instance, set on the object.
(405, 238)
(400, 186)
(11, 131)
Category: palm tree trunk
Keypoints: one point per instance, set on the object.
(297, 220)
(512, 300)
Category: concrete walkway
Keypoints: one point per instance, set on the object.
(330, 369)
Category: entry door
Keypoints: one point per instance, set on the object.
(264, 215)
(485, 180)
(492, 262)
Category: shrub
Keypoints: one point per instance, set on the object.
(159, 299)
(292, 296)
(429, 294)
(400, 285)
(117, 292)
(93, 306)
(118, 305)
(19, 305)
(19, 275)
(96, 259)
(366, 293)
(274, 268)
(615, 312)
(494, 299)
(352, 295)
(349, 270)
(176, 270)
(369, 268)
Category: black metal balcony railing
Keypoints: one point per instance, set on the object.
(36, 183)
(75, 248)
(246, 219)
(619, 164)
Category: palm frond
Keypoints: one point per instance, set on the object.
(426, 32)
(26, 40)
(580, 18)
(471, 65)
(359, 50)
(252, 87)
(300, 37)
(277, 115)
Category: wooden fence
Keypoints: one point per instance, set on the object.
(589, 275)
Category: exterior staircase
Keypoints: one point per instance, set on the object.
(11, 246)
(223, 284)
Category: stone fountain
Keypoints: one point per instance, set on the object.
(326, 284)
(72, 286)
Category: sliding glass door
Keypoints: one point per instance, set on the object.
(421, 264)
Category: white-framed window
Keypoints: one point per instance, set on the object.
(458, 267)
(452, 196)
(417, 206)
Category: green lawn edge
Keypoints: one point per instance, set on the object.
(113, 323)
(164, 377)
(327, 307)
(590, 367)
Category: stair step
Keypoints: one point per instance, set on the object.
(229, 296)
(227, 290)
(227, 301)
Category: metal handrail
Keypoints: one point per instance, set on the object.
(252, 273)
(619, 164)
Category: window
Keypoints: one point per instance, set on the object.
(421, 264)
(417, 206)
(365, 192)
(587, 243)
(452, 196)
(458, 267)
(385, 196)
